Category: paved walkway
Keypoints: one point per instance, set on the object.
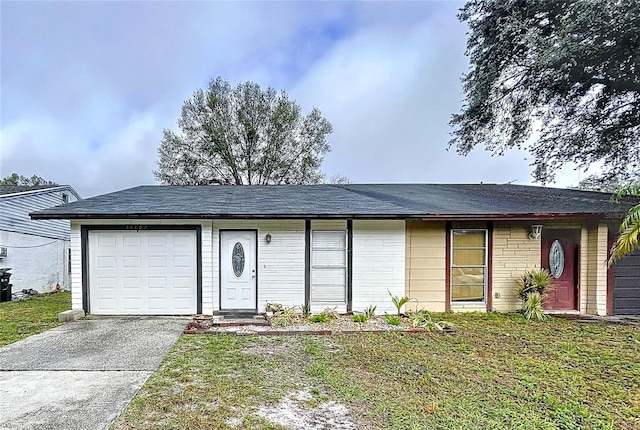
(82, 374)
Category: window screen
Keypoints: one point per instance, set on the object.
(328, 267)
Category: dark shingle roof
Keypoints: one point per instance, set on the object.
(438, 201)
(14, 189)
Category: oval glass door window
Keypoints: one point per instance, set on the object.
(556, 259)
(237, 259)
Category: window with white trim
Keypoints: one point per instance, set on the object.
(328, 267)
(468, 265)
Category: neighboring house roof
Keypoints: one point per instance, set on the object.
(16, 202)
(420, 201)
(14, 190)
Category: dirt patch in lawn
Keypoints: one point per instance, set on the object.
(304, 410)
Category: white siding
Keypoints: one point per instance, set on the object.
(76, 267)
(280, 263)
(378, 263)
(378, 260)
(15, 214)
(76, 255)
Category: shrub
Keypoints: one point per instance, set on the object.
(533, 287)
(326, 315)
(359, 318)
(284, 318)
(534, 281)
(319, 318)
(370, 312)
(392, 319)
(532, 307)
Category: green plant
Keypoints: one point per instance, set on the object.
(319, 318)
(359, 318)
(392, 319)
(306, 310)
(284, 318)
(398, 301)
(422, 319)
(331, 314)
(326, 315)
(532, 307)
(370, 312)
(534, 281)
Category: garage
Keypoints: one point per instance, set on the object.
(626, 290)
(142, 272)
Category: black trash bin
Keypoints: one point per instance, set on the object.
(5, 286)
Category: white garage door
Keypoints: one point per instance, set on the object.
(142, 272)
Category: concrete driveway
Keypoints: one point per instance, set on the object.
(82, 374)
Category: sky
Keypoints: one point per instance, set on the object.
(86, 88)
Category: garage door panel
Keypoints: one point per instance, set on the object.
(131, 283)
(105, 283)
(628, 283)
(107, 304)
(107, 262)
(626, 272)
(141, 272)
(107, 240)
(157, 261)
(626, 292)
(181, 304)
(131, 261)
(157, 240)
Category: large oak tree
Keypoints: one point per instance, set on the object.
(560, 78)
(243, 135)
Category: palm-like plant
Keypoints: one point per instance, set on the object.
(627, 240)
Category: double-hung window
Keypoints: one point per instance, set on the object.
(468, 265)
(328, 267)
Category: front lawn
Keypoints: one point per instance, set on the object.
(495, 372)
(23, 318)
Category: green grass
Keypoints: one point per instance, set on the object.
(495, 372)
(23, 318)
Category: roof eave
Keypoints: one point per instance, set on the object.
(423, 217)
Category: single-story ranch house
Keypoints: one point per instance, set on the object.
(170, 250)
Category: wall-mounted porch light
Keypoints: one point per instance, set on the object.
(536, 231)
(267, 238)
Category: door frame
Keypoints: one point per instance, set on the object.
(234, 311)
(84, 250)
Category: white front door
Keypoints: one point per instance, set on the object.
(238, 269)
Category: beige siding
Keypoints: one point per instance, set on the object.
(593, 269)
(513, 254)
(425, 265)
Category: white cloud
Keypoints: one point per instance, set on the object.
(88, 87)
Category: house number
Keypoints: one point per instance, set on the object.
(556, 259)
(135, 227)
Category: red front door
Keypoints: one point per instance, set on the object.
(560, 257)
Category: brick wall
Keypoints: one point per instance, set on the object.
(513, 254)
